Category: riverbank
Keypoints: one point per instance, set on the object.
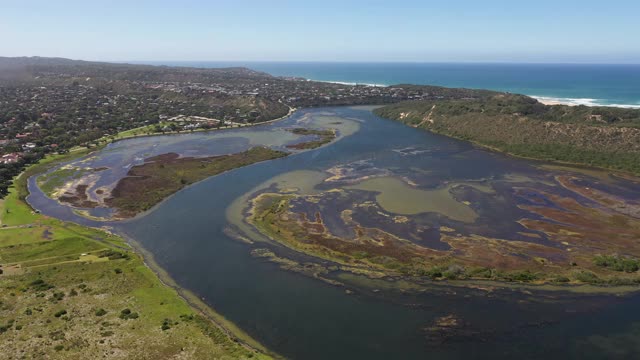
(69, 289)
(145, 131)
(603, 137)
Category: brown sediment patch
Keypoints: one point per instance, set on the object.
(168, 157)
(506, 255)
(610, 201)
(355, 172)
(585, 226)
(78, 198)
(9, 270)
(452, 329)
(531, 235)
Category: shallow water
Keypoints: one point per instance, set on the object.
(304, 318)
(397, 197)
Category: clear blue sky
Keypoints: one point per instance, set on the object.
(328, 30)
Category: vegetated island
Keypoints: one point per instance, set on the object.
(606, 137)
(584, 243)
(324, 137)
(68, 291)
(160, 176)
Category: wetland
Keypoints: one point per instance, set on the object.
(374, 239)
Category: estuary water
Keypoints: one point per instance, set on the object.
(300, 317)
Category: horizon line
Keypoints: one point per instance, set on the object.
(498, 62)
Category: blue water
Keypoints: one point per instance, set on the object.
(586, 84)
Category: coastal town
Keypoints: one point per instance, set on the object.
(53, 105)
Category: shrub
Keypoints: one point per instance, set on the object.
(434, 272)
(101, 312)
(40, 285)
(453, 272)
(561, 279)
(587, 277)
(482, 272)
(617, 263)
(57, 296)
(60, 313)
(522, 276)
(113, 255)
(166, 324)
(127, 314)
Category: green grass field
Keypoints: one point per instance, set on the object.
(68, 291)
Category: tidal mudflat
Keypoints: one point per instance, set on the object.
(477, 248)
(131, 176)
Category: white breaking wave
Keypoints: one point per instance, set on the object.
(549, 100)
(348, 83)
(580, 101)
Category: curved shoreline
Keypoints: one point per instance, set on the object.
(217, 319)
(292, 110)
(163, 276)
(232, 331)
(544, 99)
(196, 303)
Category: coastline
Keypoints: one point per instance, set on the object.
(543, 99)
(549, 100)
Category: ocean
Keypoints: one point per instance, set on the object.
(578, 84)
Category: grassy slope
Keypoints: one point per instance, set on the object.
(37, 252)
(519, 125)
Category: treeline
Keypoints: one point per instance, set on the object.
(9, 171)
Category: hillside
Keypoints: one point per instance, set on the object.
(598, 136)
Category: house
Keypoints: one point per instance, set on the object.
(23, 136)
(10, 158)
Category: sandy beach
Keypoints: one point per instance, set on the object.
(578, 101)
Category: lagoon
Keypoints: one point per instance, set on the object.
(302, 317)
